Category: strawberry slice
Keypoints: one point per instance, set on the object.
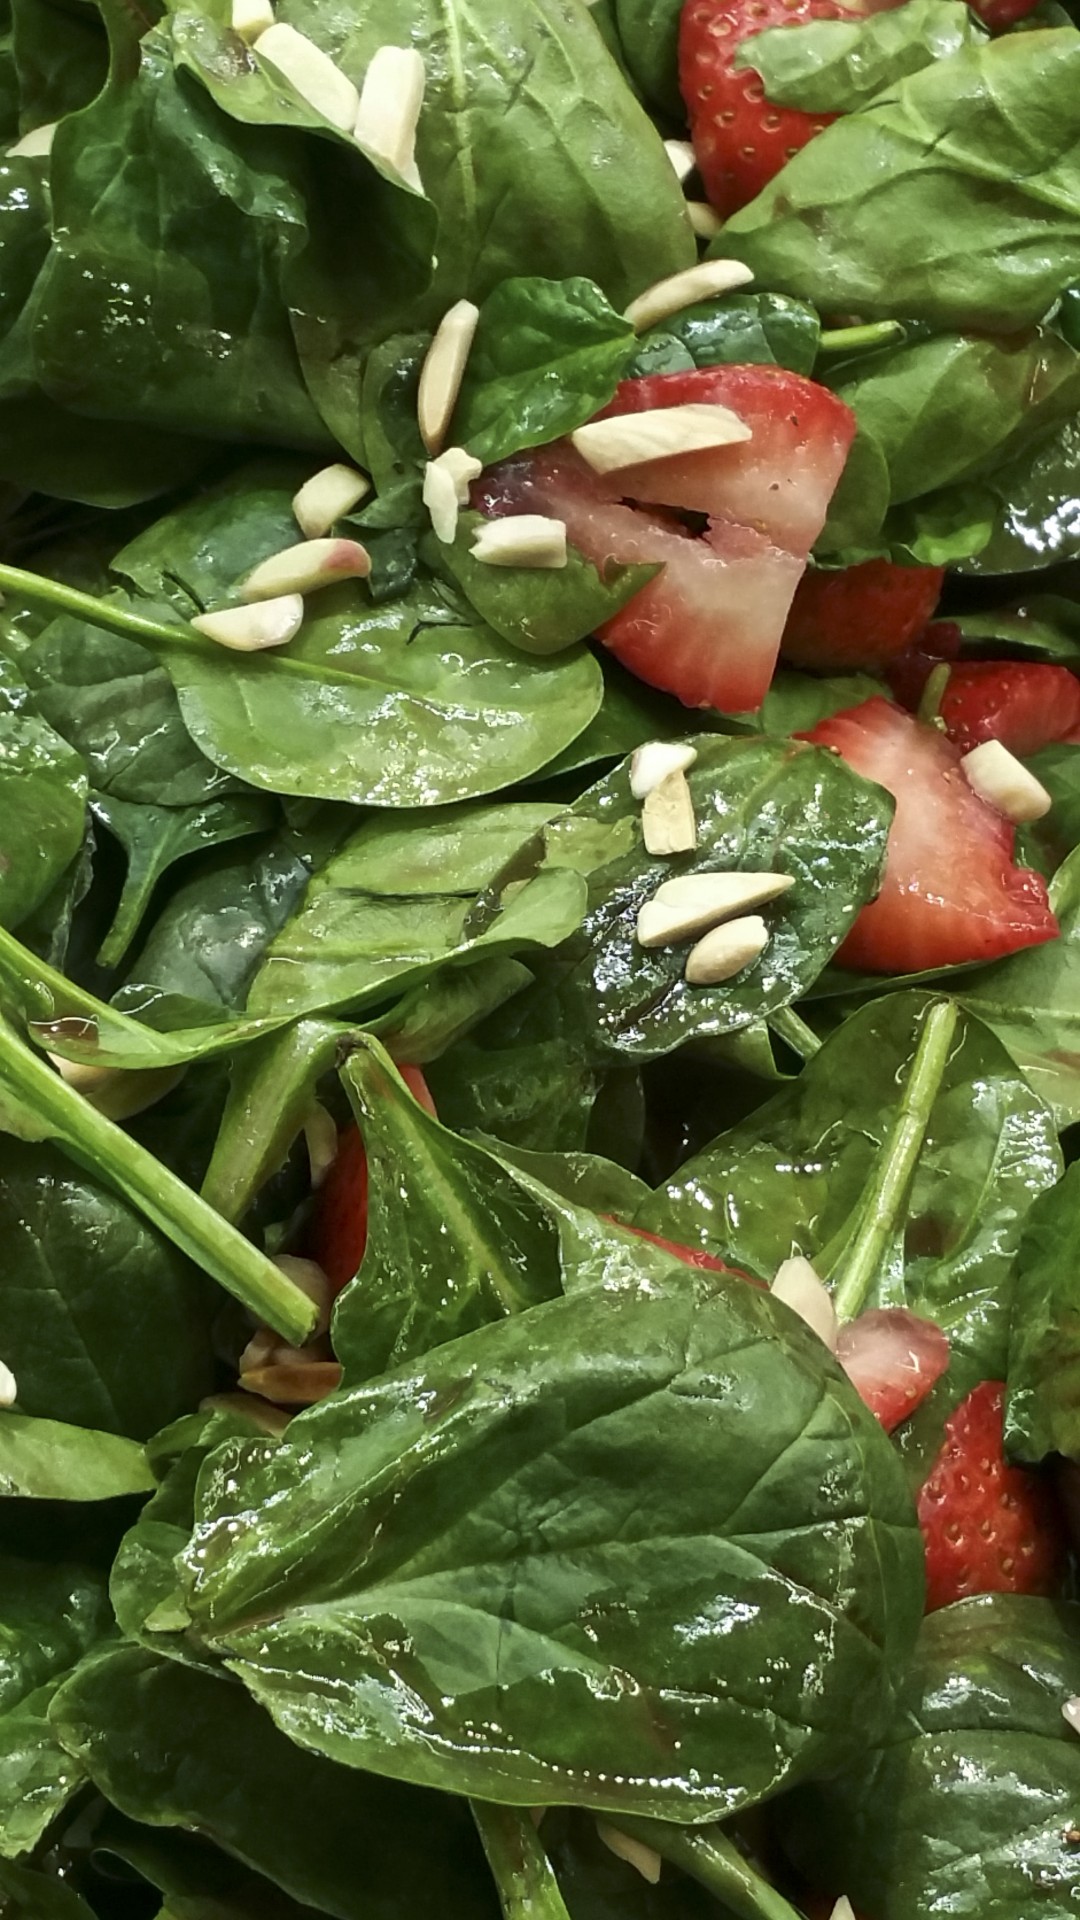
(690, 1256)
(951, 892)
(337, 1235)
(1026, 704)
(708, 628)
(987, 1527)
(893, 1358)
(859, 616)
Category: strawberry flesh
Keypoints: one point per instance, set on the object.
(1024, 704)
(893, 1359)
(859, 616)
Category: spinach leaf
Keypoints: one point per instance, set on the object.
(174, 1747)
(535, 1094)
(196, 1880)
(807, 1171)
(42, 809)
(431, 1017)
(648, 32)
(24, 233)
(50, 1616)
(1034, 520)
(864, 219)
(29, 1895)
(630, 714)
(597, 1885)
(1058, 768)
(796, 702)
(539, 612)
(837, 66)
(429, 1510)
(61, 58)
(854, 524)
(1043, 1409)
(970, 1803)
(759, 329)
(48, 1460)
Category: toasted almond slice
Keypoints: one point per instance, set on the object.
(327, 497)
(726, 951)
(667, 817)
(1071, 1712)
(311, 73)
(117, 1092)
(651, 763)
(441, 500)
(635, 1852)
(254, 628)
(294, 1383)
(250, 18)
(682, 908)
(798, 1284)
(679, 290)
(8, 1387)
(321, 1140)
(33, 146)
(843, 1909)
(306, 567)
(682, 157)
(310, 1278)
(661, 433)
(463, 468)
(521, 540)
(704, 219)
(389, 112)
(442, 372)
(1002, 780)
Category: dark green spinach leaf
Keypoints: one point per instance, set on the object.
(539, 612)
(836, 66)
(1043, 1409)
(50, 1616)
(757, 329)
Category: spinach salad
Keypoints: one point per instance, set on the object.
(539, 960)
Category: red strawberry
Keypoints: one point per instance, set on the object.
(950, 892)
(893, 1358)
(987, 1527)
(740, 139)
(691, 1256)
(338, 1232)
(708, 628)
(999, 14)
(858, 616)
(1023, 703)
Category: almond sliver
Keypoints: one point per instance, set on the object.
(311, 73)
(703, 282)
(521, 540)
(442, 372)
(662, 433)
(389, 111)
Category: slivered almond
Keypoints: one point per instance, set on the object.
(321, 1140)
(254, 628)
(652, 762)
(1002, 780)
(389, 111)
(250, 18)
(293, 1382)
(667, 817)
(1071, 1713)
(441, 500)
(329, 495)
(8, 1386)
(646, 1860)
(704, 219)
(661, 433)
(726, 951)
(681, 908)
(311, 73)
(117, 1092)
(798, 1284)
(843, 1909)
(521, 540)
(310, 1278)
(703, 282)
(682, 157)
(463, 468)
(305, 568)
(34, 146)
(442, 372)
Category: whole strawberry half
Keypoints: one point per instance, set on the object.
(708, 628)
(337, 1235)
(1026, 704)
(859, 616)
(988, 1527)
(951, 891)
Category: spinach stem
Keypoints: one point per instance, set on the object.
(105, 1150)
(789, 1027)
(525, 1877)
(709, 1857)
(850, 339)
(897, 1160)
(933, 693)
(57, 598)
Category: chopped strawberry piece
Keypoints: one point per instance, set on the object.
(999, 14)
(859, 616)
(337, 1235)
(691, 1256)
(951, 892)
(708, 628)
(1024, 704)
(893, 1358)
(988, 1527)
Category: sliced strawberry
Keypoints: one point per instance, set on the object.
(1025, 704)
(691, 1256)
(337, 1235)
(859, 616)
(893, 1358)
(951, 892)
(999, 14)
(987, 1527)
(708, 628)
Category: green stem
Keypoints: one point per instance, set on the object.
(934, 692)
(709, 1857)
(897, 1161)
(106, 1151)
(851, 339)
(795, 1033)
(54, 597)
(525, 1877)
(271, 1088)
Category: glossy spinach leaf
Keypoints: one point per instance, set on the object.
(61, 58)
(410, 1511)
(1058, 768)
(195, 1879)
(1034, 521)
(1032, 1002)
(173, 1747)
(864, 219)
(24, 233)
(431, 1017)
(1043, 1408)
(796, 702)
(630, 714)
(42, 808)
(536, 1094)
(597, 1885)
(758, 329)
(648, 32)
(539, 612)
(863, 1160)
(836, 66)
(29, 1895)
(50, 1616)
(970, 1804)
(50, 1460)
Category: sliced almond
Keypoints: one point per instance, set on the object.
(646, 1860)
(251, 18)
(704, 219)
(660, 433)
(703, 282)
(798, 1284)
(321, 1140)
(1002, 780)
(34, 146)
(309, 565)
(443, 371)
(667, 817)
(843, 1909)
(311, 73)
(9, 1390)
(651, 763)
(682, 157)
(117, 1092)
(463, 468)
(389, 111)
(254, 628)
(310, 1278)
(327, 497)
(726, 951)
(294, 1382)
(521, 540)
(1071, 1713)
(682, 908)
(441, 500)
